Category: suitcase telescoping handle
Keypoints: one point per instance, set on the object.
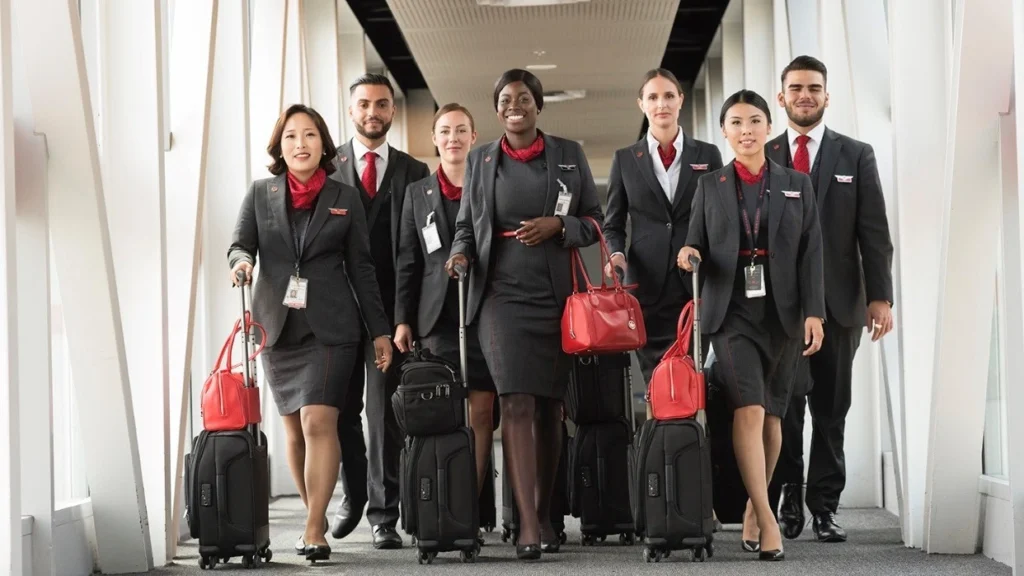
(698, 362)
(248, 337)
(461, 272)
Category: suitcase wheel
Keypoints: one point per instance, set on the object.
(505, 534)
(207, 563)
(249, 561)
(651, 555)
(470, 556)
(699, 554)
(427, 557)
(562, 537)
(267, 555)
(627, 539)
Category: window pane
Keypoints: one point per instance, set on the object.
(994, 443)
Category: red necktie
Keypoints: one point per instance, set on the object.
(369, 177)
(667, 156)
(802, 158)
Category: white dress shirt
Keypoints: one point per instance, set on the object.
(669, 178)
(382, 159)
(813, 145)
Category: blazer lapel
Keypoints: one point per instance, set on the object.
(435, 200)
(553, 157)
(395, 162)
(727, 192)
(778, 181)
(830, 148)
(778, 150)
(383, 191)
(688, 156)
(642, 157)
(488, 176)
(345, 166)
(277, 189)
(328, 197)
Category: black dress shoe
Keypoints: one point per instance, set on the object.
(826, 529)
(300, 547)
(346, 519)
(318, 552)
(791, 511)
(386, 538)
(551, 547)
(751, 546)
(771, 555)
(528, 552)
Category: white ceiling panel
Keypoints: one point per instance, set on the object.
(602, 46)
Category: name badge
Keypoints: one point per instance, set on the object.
(295, 295)
(754, 281)
(430, 237)
(564, 200)
(844, 179)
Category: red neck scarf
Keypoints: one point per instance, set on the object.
(667, 156)
(747, 176)
(450, 191)
(303, 195)
(526, 154)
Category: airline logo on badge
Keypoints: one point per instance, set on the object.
(844, 179)
(698, 166)
(339, 211)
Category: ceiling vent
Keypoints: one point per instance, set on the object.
(525, 3)
(564, 95)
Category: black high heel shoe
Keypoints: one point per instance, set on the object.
(771, 555)
(528, 552)
(318, 552)
(751, 546)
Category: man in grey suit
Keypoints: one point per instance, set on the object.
(858, 294)
(381, 174)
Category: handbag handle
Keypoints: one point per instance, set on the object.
(577, 261)
(682, 343)
(226, 349)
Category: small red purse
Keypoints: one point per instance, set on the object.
(602, 319)
(677, 387)
(228, 401)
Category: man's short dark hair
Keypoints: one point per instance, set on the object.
(372, 80)
(805, 63)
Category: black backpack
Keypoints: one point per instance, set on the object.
(430, 395)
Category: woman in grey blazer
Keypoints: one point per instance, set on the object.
(427, 302)
(310, 235)
(754, 226)
(525, 199)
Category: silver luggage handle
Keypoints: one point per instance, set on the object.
(248, 337)
(461, 273)
(697, 360)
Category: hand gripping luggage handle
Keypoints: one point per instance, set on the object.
(249, 364)
(461, 272)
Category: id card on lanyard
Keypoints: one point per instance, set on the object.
(298, 287)
(753, 275)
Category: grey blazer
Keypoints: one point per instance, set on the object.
(658, 227)
(421, 277)
(335, 260)
(474, 228)
(794, 246)
(857, 245)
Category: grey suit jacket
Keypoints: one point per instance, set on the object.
(857, 245)
(658, 227)
(474, 228)
(422, 280)
(794, 246)
(335, 259)
(401, 171)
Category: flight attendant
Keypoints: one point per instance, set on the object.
(653, 182)
(754, 225)
(525, 198)
(427, 301)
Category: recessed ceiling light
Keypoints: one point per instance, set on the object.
(522, 3)
(541, 66)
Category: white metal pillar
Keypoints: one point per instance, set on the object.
(1013, 187)
(699, 102)
(50, 38)
(780, 57)
(352, 56)
(972, 202)
(294, 61)
(131, 108)
(320, 24)
(732, 68)
(191, 84)
(10, 454)
(759, 70)
(841, 115)
(804, 28)
(714, 100)
(266, 80)
(919, 40)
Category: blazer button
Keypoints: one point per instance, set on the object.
(669, 225)
(772, 254)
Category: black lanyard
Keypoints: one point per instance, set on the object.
(752, 234)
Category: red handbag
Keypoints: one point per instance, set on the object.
(677, 387)
(228, 401)
(603, 319)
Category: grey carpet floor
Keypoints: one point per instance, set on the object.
(874, 548)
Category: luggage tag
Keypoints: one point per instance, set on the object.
(295, 295)
(754, 281)
(564, 200)
(433, 241)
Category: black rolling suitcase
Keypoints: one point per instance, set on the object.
(730, 495)
(599, 453)
(486, 507)
(227, 486)
(559, 502)
(437, 473)
(670, 488)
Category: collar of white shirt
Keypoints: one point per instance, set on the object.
(652, 144)
(816, 134)
(360, 150)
